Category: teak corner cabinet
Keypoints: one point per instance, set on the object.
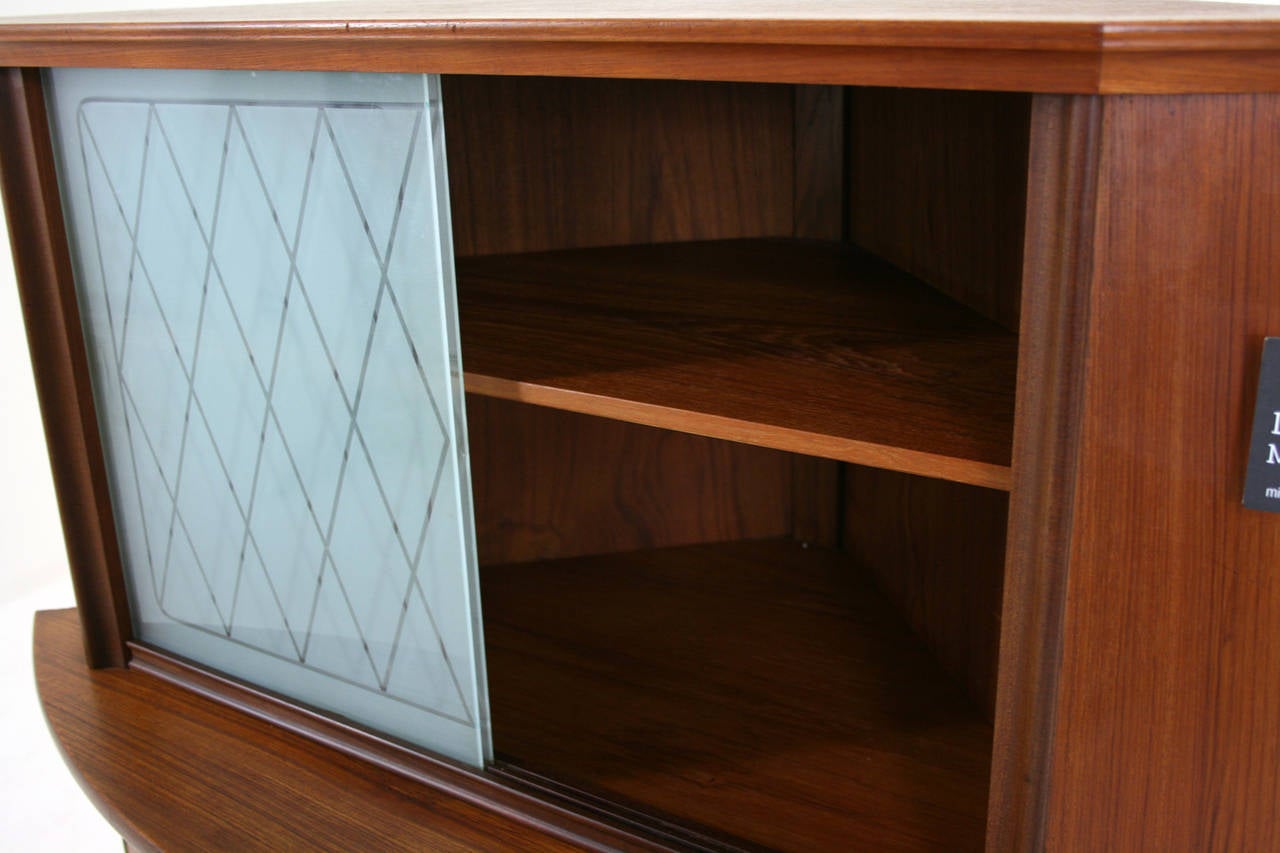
(705, 426)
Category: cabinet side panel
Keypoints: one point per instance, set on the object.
(554, 484)
(540, 164)
(1168, 733)
(937, 184)
(936, 549)
(47, 294)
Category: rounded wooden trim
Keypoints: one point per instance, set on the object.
(177, 759)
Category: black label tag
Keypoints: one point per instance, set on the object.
(1262, 478)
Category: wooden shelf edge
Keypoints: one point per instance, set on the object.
(100, 721)
(806, 346)
(903, 460)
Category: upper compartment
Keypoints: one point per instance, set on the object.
(689, 256)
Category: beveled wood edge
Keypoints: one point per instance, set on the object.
(907, 461)
(1065, 57)
(1057, 277)
(942, 68)
(55, 338)
(1000, 35)
(1188, 35)
(1228, 59)
(494, 792)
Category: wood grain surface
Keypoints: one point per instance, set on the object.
(937, 184)
(760, 688)
(821, 203)
(1169, 695)
(821, 213)
(936, 550)
(46, 291)
(1050, 47)
(1052, 364)
(173, 770)
(441, 49)
(538, 164)
(548, 483)
(803, 346)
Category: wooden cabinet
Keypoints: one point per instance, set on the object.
(857, 408)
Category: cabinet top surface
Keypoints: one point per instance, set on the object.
(837, 13)
(1104, 46)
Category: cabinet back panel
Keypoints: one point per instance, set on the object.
(938, 185)
(549, 484)
(537, 163)
(936, 549)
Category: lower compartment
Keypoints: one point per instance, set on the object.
(758, 688)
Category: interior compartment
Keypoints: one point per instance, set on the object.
(740, 363)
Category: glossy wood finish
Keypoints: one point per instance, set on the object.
(758, 687)
(176, 770)
(38, 238)
(1048, 47)
(936, 550)
(821, 119)
(1061, 211)
(937, 184)
(549, 483)
(802, 346)
(1169, 693)
(538, 164)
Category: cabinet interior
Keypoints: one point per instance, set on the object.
(740, 362)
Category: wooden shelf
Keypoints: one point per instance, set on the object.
(806, 346)
(757, 688)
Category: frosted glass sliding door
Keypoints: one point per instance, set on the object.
(265, 274)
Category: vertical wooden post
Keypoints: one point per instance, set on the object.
(1057, 270)
(47, 293)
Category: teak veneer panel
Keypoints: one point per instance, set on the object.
(548, 483)
(760, 688)
(1169, 693)
(546, 163)
(809, 347)
(938, 187)
(936, 550)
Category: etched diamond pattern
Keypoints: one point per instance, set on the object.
(285, 445)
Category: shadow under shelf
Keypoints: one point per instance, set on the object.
(756, 688)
